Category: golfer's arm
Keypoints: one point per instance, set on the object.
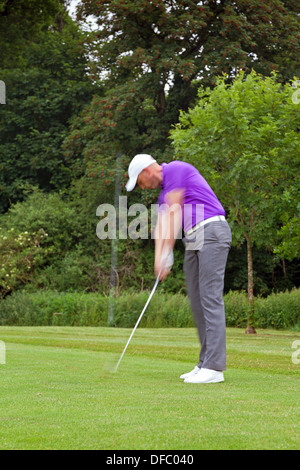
(169, 223)
(159, 237)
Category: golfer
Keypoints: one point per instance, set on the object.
(187, 202)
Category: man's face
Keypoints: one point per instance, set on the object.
(147, 180)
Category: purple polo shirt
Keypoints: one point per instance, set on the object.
(200, 202)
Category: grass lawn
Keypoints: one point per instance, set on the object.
(58, 392)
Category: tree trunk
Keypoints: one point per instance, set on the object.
(159, 101)
(284, 269)
(250, 329)
(59, 22)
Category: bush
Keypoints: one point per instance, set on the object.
(236, 308)
(71, 273)
(49, 213)
(63, 257)
(47, 308)
(278, 311)
(20, 254)
(53, 309)
(164, 310)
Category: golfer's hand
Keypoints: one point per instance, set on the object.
(161, 271)
(163, 264)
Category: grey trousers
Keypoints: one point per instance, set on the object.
(204, 267)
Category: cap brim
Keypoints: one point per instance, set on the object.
(131, 184)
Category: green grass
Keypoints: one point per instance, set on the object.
(58, 391)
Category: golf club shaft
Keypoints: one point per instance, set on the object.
(139, 319)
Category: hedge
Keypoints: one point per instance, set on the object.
(49, 308)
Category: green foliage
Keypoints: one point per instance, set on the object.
(270, 273)
(21, 22)
(49, 213)
(152, 57)
(75, 271)
(279, 310)
(36, 234)
(50, 308)
(123, 119)
(42, 96)
(53, 308)
(236, 308)
(75, 99)
(245, 139)
(157, 39)
(289, 234)
(20, 254)
(72, 258)
(164, 311)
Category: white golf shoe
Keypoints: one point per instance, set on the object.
(191, 373)
(205, 376)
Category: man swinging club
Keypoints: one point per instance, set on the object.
(207, 243)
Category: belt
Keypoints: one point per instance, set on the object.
(217, 218)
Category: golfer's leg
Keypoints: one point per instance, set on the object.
(191, 270)
(212, 261)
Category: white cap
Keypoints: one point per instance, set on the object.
(137, 164)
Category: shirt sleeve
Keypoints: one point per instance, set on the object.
(174, 178)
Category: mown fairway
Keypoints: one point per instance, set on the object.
(58, 391)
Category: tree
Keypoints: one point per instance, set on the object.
(21, 22)
(152, 55)
(20, 253)
(164, 41)
(244, 138)
(289, 246)
(42, 96)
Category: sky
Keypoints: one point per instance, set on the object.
(72, 11)
(72, 7)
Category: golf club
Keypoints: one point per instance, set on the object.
(139, 319)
